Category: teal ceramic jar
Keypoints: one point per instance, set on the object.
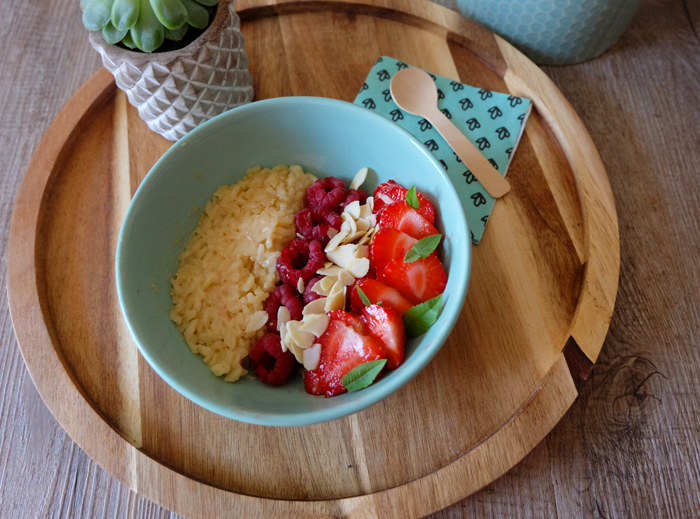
(554, 32)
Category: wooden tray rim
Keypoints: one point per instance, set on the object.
(167, 487)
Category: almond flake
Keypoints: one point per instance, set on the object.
(312, 357)
(372, 220)
(353, 209)
(316, 324)
(345, 278)
(359, 179)
(348, 220)
(359, 267)
(283, 317)
(335, 241)
(370, 203)
(363, 224)
(331, 232)
(285, 339)
(256, 321)
(297, 352)
(352, 237)
(300, 285)
(329, 271)
(328, 264)
(300, 236)
(327, 283)
(336, 301)
(365, 211)
(362, 251)
(318, 289)
(315, 307)
(301, 338)
(342, 255)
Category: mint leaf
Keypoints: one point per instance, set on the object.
(363, 375)
(422, 248)
(421, 317)
(365, 300)
(412, 198)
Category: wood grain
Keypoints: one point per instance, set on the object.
(599, 461)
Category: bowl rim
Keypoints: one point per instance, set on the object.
(365, 398)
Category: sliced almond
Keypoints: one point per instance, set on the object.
(327, 283)
(300, 236)
(348, 220)
(346, 278)
(350, 238)
(365, 211)
(300, 285)
(316, 324)
(353, 209)
(342, 255)
(301, 338)
(363, 224)
(386, 199)
(359, 179)
(370, 203)
(359, 267)
(318, 289)
(297, 352)
(361, 251)
(331, 232)
(335, 241)
(256, 321)
(312, 357)
(372, 220)
(283, 317)
(285, 340)
(328, 264)
(329, 271)
(335, 301)
(315, 307)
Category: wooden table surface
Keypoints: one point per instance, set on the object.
(630, 444)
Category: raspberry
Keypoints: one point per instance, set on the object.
(272, 365)
(355, 194)
(309, 295)
(314, 221)
(329, 192)
(300, 259)
(284, 295)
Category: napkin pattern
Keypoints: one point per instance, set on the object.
(492, 121)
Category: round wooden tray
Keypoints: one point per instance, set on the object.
(542, 292)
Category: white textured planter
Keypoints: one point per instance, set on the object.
(176, 91)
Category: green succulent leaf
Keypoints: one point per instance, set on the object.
(420, 318)
(177, 34)
(363, 375)
(148, 33)
(171, 13)
(128, 41)
(97, 14)
(125, 13)
(422, 248)
(208, 3)
(112, 35)
(197, 16)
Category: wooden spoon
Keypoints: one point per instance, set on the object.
(415, 92)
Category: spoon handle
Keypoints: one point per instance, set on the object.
(485, 173)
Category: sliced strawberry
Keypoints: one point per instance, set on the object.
(392, 192)
(377, 292)
(345, 345)
(389, 244)
(417, 281)
(385, 324)
(403, 217)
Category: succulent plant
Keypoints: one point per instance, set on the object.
(145, 24)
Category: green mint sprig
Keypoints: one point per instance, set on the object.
(412, 198)
(422, 248)
(420, 318)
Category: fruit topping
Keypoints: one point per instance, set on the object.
(417, 281)
(389, 244)
(283, 295)
(314, 222)
(391, 192)
(328, 192)
(401, 216)
(300, 259)
(385, 324)
(377, 292)
(344, 346)
(354, 195)
(309, 294)
(270, 363)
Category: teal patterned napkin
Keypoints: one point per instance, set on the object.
(492, 121)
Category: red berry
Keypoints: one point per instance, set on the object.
(345, 345)
(385, 324)
(313, 222)
(329, 192)
(397, 193)
(284, 295)
(309, 294)
(403, 217)
(389, 244)
(270, 363)
(417, 281)
(300, 259)
(355, 195)
(378, 292)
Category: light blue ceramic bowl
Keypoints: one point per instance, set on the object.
(326, 137)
